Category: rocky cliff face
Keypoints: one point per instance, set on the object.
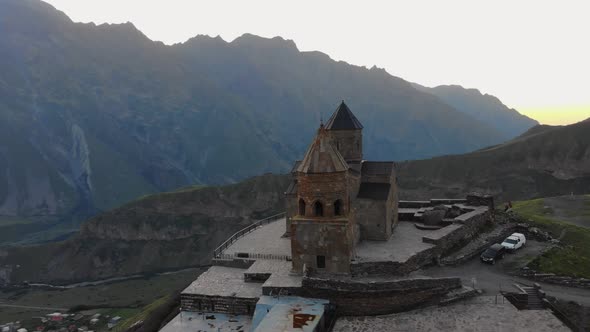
(163, 231)
(546, 161)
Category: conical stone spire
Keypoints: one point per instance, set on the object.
(343, 119)
(322, 156)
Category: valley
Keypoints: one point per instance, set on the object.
(125, 299)
(181, 228)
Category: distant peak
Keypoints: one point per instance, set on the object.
(379, 70)
(33, 10)
(254, 40)
(205, 39)
(125, 29)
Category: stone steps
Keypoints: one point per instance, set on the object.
(534, 300)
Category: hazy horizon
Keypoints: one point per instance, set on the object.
(530, 55)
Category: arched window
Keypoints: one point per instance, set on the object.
(301, 207)
(338, 208)
(318, 209)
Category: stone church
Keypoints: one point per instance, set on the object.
(337, 199)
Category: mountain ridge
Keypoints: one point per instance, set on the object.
(489, 108)
(93, 116)
(181, 228)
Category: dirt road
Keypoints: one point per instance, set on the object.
(494, 278)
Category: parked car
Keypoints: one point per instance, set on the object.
(514, 241)
(493, 253)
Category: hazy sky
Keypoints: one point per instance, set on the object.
(533, 55)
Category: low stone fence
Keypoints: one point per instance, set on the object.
(465, 232)
(365, 298)
(554, 279)
(432, 202)
(425, 257)
(478, 245)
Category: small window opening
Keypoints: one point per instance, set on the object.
(321, 262)
(301, 207)
(338, 208)
(318, 209)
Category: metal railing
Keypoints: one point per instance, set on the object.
(253, 256)
(219, 250)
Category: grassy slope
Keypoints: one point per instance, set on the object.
(546, 161)
(572, 260)
(142, 314)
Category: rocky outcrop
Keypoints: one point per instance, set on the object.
(554, 161)
(159, 232)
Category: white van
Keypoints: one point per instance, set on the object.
(514, 241)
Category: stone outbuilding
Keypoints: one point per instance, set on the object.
(337, 199)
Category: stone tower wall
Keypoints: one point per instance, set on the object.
(393, 202)
(330, 236)
(349, 143)
(311, 239)
(323, 187)
(291, 207)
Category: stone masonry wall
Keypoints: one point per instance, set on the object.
(329, 235)
(349, 143)
(470, 227)
(326, 188)
(371, 218)
(291, 209)
(360, 298)
(312, 239)
(392, 204)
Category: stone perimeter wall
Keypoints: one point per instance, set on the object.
(470, 228)
(366, 298)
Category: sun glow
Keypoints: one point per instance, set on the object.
(557, 115)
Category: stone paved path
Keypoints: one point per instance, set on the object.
(264, 240)
(482, 313)
(495, 278)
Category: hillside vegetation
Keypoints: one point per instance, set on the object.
(159, 232)
(543, 162)
(573, 258)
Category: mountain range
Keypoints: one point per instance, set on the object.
(93, 116)
(181, 228)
